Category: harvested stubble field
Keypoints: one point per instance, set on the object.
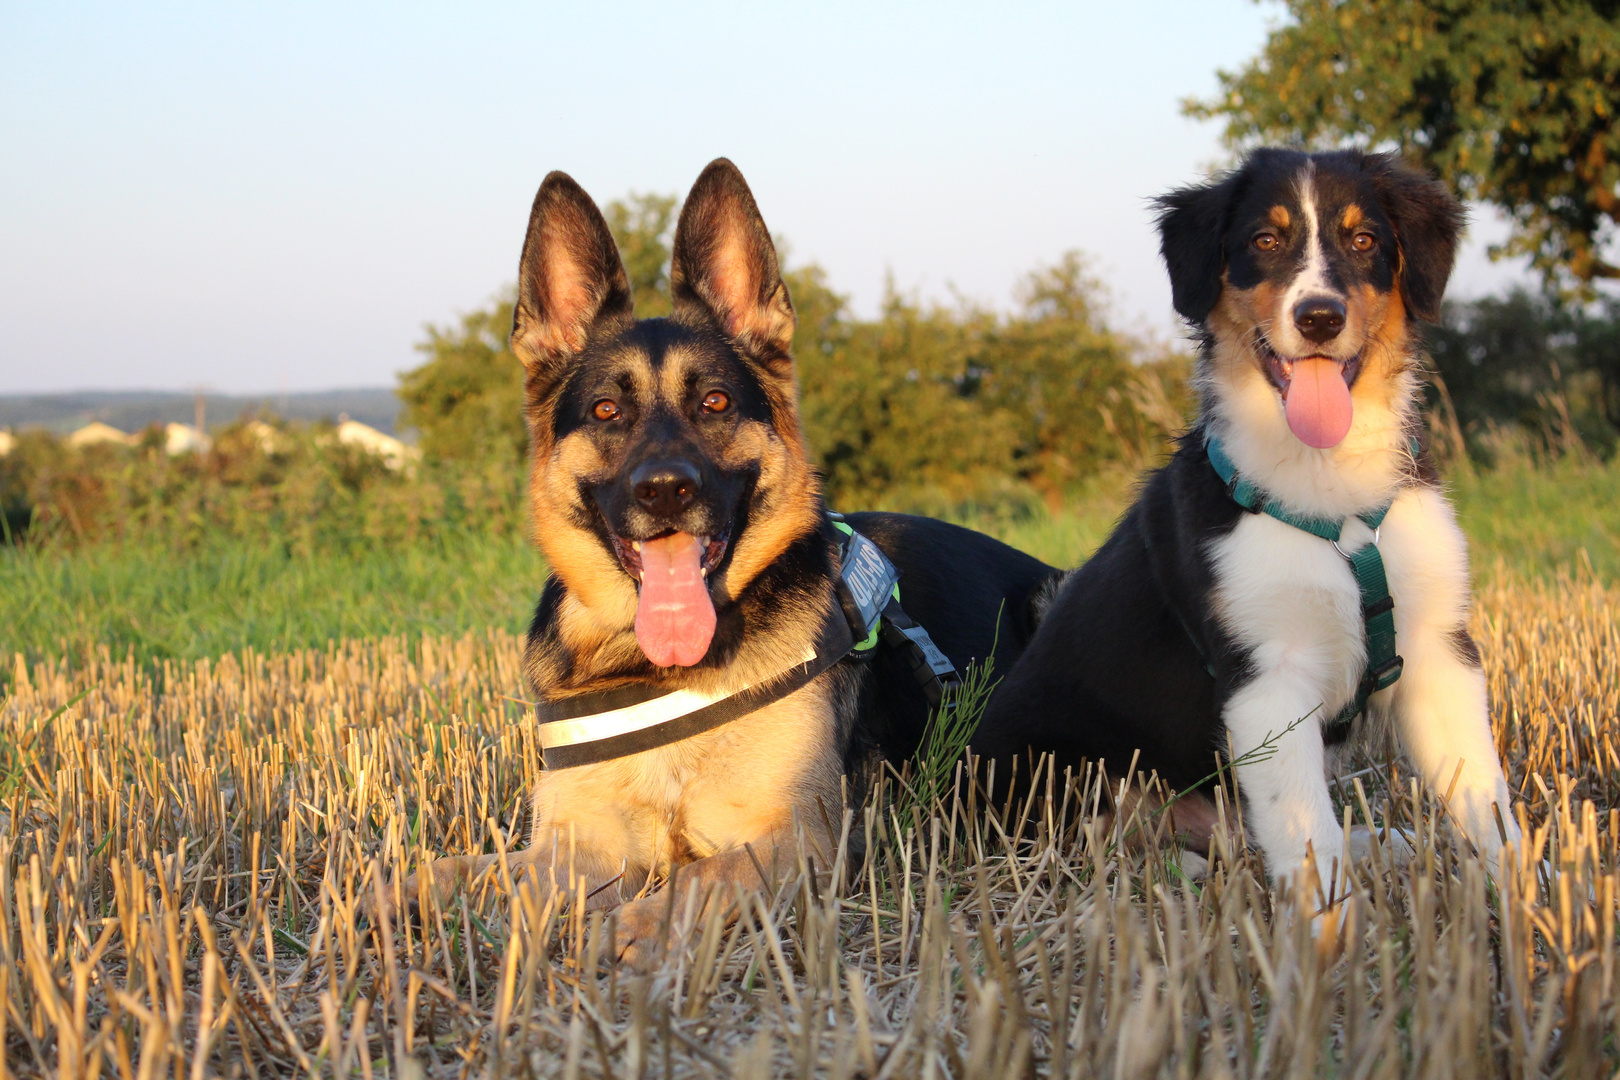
(182, 850)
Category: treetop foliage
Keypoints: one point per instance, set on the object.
(1513, 102)
(466, 401)
(644, 227)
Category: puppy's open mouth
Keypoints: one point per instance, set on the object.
(712, 549)
(1315, 392)
(1281, 371)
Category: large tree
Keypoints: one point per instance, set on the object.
(1513, 102)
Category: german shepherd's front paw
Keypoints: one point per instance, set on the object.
(643, 935)
(448, 876)
(377, 907)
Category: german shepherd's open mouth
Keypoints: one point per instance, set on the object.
(675, 614)
(713, 549)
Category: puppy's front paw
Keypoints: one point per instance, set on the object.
(1394, 845)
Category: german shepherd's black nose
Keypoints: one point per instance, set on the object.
(1319, 318)
(665, 487)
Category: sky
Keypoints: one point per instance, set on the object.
(271, 198)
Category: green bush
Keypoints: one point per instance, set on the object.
(1526, 368)
(295, 487)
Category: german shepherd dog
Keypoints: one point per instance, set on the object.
(688, 547)
(1202, 620)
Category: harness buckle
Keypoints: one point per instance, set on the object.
(1369, 611)
(1386, 675)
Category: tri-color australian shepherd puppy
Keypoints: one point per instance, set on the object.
(1214, 612)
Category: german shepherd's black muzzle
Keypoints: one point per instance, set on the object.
(670, 520)
(665, 487)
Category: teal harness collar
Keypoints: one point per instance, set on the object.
(1377, 606)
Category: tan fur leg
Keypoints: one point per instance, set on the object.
(446, 877)
(449, 876)
(700, 890)
(538, 868)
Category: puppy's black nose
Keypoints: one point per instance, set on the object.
(1319, 318)
(664, 488)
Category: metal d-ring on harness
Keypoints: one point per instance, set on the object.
(589, 728)
(1377, 606)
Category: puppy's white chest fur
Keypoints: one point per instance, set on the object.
(1290, 599)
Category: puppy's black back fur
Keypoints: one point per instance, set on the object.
(1115, 668)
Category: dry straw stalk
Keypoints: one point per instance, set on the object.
(182, 852)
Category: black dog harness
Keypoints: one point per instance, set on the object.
(628, 719)
(1366, 564)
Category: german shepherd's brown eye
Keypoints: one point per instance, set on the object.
(606, 409)
(1364, 241)
(716, 401)
(1266, 242)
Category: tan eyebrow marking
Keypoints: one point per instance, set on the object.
(1352, 216)
(1280, 217)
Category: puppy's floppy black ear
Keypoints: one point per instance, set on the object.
(724, 265)
(1192, 225)
(570, 281)
(1428, 220)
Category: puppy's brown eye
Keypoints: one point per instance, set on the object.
(1364, 241)
(606, 409)
(716, 401)
(1266, 242)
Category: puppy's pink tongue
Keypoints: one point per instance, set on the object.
(1318, 407)
(674, 617)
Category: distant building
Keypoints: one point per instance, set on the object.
(97, 432)
(184, 439)
(8, 442)
(395, 454)
(266, 437)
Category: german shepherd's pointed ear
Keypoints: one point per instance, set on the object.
(1428, 220)
(1192, 227)
(724, 266)
(570, 281)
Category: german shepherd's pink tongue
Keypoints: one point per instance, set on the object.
(675, 617)
(1318, 403)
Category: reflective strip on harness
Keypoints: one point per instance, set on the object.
(578, 731)
(646, 714)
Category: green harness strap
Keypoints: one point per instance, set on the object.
(1377, 606)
